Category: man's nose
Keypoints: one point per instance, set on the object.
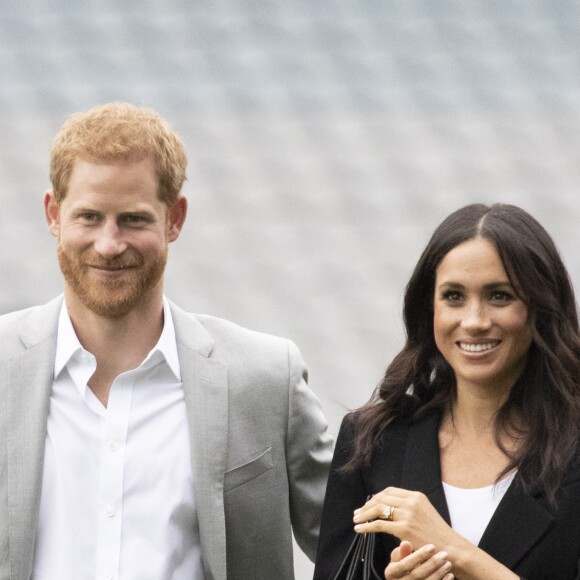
(109, 242)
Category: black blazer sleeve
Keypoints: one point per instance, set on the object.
(346, 492)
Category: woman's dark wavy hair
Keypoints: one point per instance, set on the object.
(546, 398)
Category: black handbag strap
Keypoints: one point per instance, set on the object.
(358, 563)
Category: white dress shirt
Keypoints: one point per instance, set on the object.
(117, 500)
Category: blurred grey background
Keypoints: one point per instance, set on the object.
(326, 141)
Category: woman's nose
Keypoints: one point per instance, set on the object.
(476, 317)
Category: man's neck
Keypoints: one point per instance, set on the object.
(118, 344)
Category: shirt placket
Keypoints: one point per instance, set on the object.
(113, 449)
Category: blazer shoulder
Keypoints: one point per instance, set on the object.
(228, 337)
(24, 328)
(390, 462)
(256, 362)
(395, 430)
(227, 329)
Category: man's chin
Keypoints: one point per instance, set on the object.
(111, 309)
(110, 298)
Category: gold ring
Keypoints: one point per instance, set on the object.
(387, 513)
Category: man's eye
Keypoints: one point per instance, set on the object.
(133, 219)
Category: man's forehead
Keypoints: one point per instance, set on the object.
(96, 165)
(125, 177)
(118, 204)
(117, 196)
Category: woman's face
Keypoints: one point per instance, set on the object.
(480, 324)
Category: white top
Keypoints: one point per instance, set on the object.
(117, 500)
(472, 509)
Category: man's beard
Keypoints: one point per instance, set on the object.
(115, 297)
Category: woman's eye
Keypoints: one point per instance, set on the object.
(500, 296)
(452, 296)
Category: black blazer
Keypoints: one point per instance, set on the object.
(526, 534)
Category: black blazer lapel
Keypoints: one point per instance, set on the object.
(517, 525)
(422, 465)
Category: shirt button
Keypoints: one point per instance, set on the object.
(108, 576)
(113, 445)
(110, 511)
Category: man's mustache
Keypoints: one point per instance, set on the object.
(118, 263)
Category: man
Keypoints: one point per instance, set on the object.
(139, 441)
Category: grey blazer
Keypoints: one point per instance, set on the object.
(260, 451)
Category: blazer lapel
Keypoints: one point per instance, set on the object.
(28, 377)
(206, 397)
(518, 523)
(422, 465)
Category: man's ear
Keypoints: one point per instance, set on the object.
(52, 213)
(176, 218)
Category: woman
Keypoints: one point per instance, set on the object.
(469, 446)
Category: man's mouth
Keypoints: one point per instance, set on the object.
(112, 268)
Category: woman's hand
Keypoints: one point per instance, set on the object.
(413, 519)
(424, 564)
(409, 516)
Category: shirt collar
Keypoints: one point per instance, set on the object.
(167, 345)
(67, 343)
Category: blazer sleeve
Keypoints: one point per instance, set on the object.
(308, 455)
(345, 492)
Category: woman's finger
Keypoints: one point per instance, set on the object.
(388, 494)
(436, 568)
(378, 511)
(423, 564)
(403, 550)
(415, 558)
(397, 492)
(384, 504)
